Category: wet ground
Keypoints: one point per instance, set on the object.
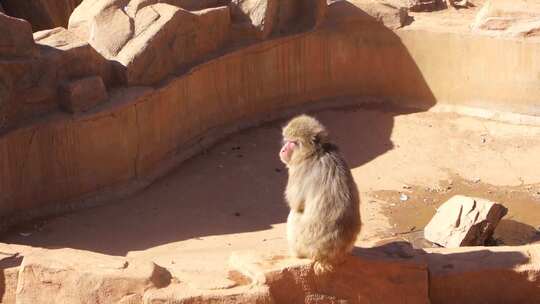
(231, 197)
(413, 207)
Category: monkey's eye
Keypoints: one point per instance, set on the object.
(286, 141)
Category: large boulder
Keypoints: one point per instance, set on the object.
(358, 280)
(509, 18)
(73, 276)
(150, 41)
(464, 221)
(42, 14)
(16, 39)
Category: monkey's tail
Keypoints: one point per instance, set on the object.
(322, 268)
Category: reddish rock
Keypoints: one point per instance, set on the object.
(484, 274)
(42, 14)
(296, 15)
(73, 276)
(16, 39)
(464, 221)
(182, 293)
(83, 94)
(358, 280)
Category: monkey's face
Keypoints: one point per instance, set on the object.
(286, 152)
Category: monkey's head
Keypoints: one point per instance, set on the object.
(303, 137)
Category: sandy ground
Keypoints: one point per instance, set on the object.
(230, 198)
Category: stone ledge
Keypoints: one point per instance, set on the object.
(391, 273)
(358, 280)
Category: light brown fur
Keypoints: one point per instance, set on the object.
(324, 219)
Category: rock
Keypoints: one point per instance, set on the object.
(180, 293)
(65, 56)
(190, 5)
(509, 18)
(42, 14)
(367, 11)
(484, 274)
(258, 19)
(9, 265)
(464, 221)
(194, 5)
(150, 41)
(16, 39)
(422, 5)
(260, 15)
(73, 276)
(83, 94)
(358, 280)
(294, 15)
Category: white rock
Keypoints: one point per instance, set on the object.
(464, 221)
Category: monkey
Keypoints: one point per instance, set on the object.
(324, 217)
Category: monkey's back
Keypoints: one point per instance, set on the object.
(329, 222)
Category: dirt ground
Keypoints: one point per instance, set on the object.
(231, 197)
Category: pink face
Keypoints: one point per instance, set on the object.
(286, 151)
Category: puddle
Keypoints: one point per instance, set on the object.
(411, 209)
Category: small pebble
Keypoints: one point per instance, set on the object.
(406, 187)
(403, 197)
(237, 214)
(25, 234)
(476, 180)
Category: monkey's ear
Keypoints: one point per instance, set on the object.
(320, 137)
